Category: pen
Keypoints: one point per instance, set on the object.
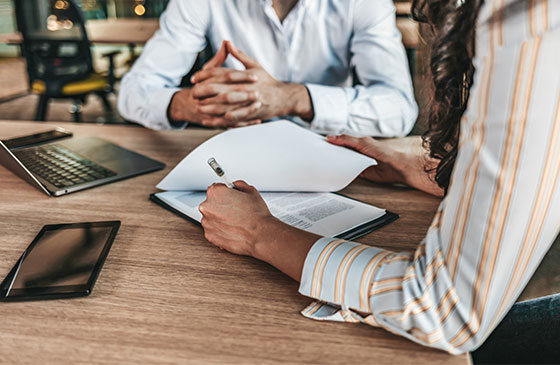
(219, 171)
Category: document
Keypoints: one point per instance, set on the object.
(325, 214)
(275, 156)
(295, 169)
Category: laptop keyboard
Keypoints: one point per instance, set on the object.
(62, 167)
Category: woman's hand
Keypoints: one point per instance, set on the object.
(399, 161)
(232, 218)
(238, 220)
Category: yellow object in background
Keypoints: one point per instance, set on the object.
(94, 82)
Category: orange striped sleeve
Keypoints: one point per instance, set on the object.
(498, 218)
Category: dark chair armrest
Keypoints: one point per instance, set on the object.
(111, 71)
(110, 54)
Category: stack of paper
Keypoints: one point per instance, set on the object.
(296, 168)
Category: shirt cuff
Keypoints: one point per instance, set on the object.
(340, 272)
(159, 102)
(330, 108)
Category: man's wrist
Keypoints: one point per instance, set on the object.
(179, 109)
(297, 101)
(171, 111)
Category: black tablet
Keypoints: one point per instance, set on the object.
(63, 261)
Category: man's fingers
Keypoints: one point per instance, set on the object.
(201, 91)
(246, 124)
(207, 73)
(245, 113)
(247, 61)
(220, 75)
(231, 77)
(234, 97)
(214, 109)
(218, 122)
(223, 122)
(219, 58)
(220, 109)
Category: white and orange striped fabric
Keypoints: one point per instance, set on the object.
(500, 216)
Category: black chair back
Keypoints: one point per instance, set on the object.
(55, 43)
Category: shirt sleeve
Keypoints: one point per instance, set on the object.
(497, 221)
(384, 104)
(146, 90)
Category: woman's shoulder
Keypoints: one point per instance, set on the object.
(511, 22)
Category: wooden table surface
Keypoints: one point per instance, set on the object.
(165, 295)
(107, 31)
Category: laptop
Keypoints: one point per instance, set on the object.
(74, 164)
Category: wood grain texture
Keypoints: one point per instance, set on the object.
(165, 295)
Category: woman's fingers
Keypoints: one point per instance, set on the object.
(378, 150)
(244, 187)
(344, 140)
(365, 145)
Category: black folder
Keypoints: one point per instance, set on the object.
(349, 235)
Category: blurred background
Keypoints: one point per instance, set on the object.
(122, 27)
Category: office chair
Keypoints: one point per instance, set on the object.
(58, 56)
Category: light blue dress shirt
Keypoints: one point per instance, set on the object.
(318, 44)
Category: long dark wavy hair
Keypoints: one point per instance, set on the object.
(452, 27)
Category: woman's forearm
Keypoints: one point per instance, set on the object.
(284, 246)
(415, 176)
(413, 161)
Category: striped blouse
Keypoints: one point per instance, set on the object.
(501, 213)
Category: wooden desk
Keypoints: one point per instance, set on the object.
(165, 295)
(107, 31)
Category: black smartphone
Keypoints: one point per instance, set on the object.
(37, 138)
(63, 261)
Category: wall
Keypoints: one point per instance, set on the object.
(7, 25)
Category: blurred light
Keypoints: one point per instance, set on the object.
(61, 5)
(67, 24)
(52, 23)
(139, 9)
(90, 4)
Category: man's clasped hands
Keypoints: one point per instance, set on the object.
(225, 97)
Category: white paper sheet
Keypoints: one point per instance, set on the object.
(325, 214)
(275, 156)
